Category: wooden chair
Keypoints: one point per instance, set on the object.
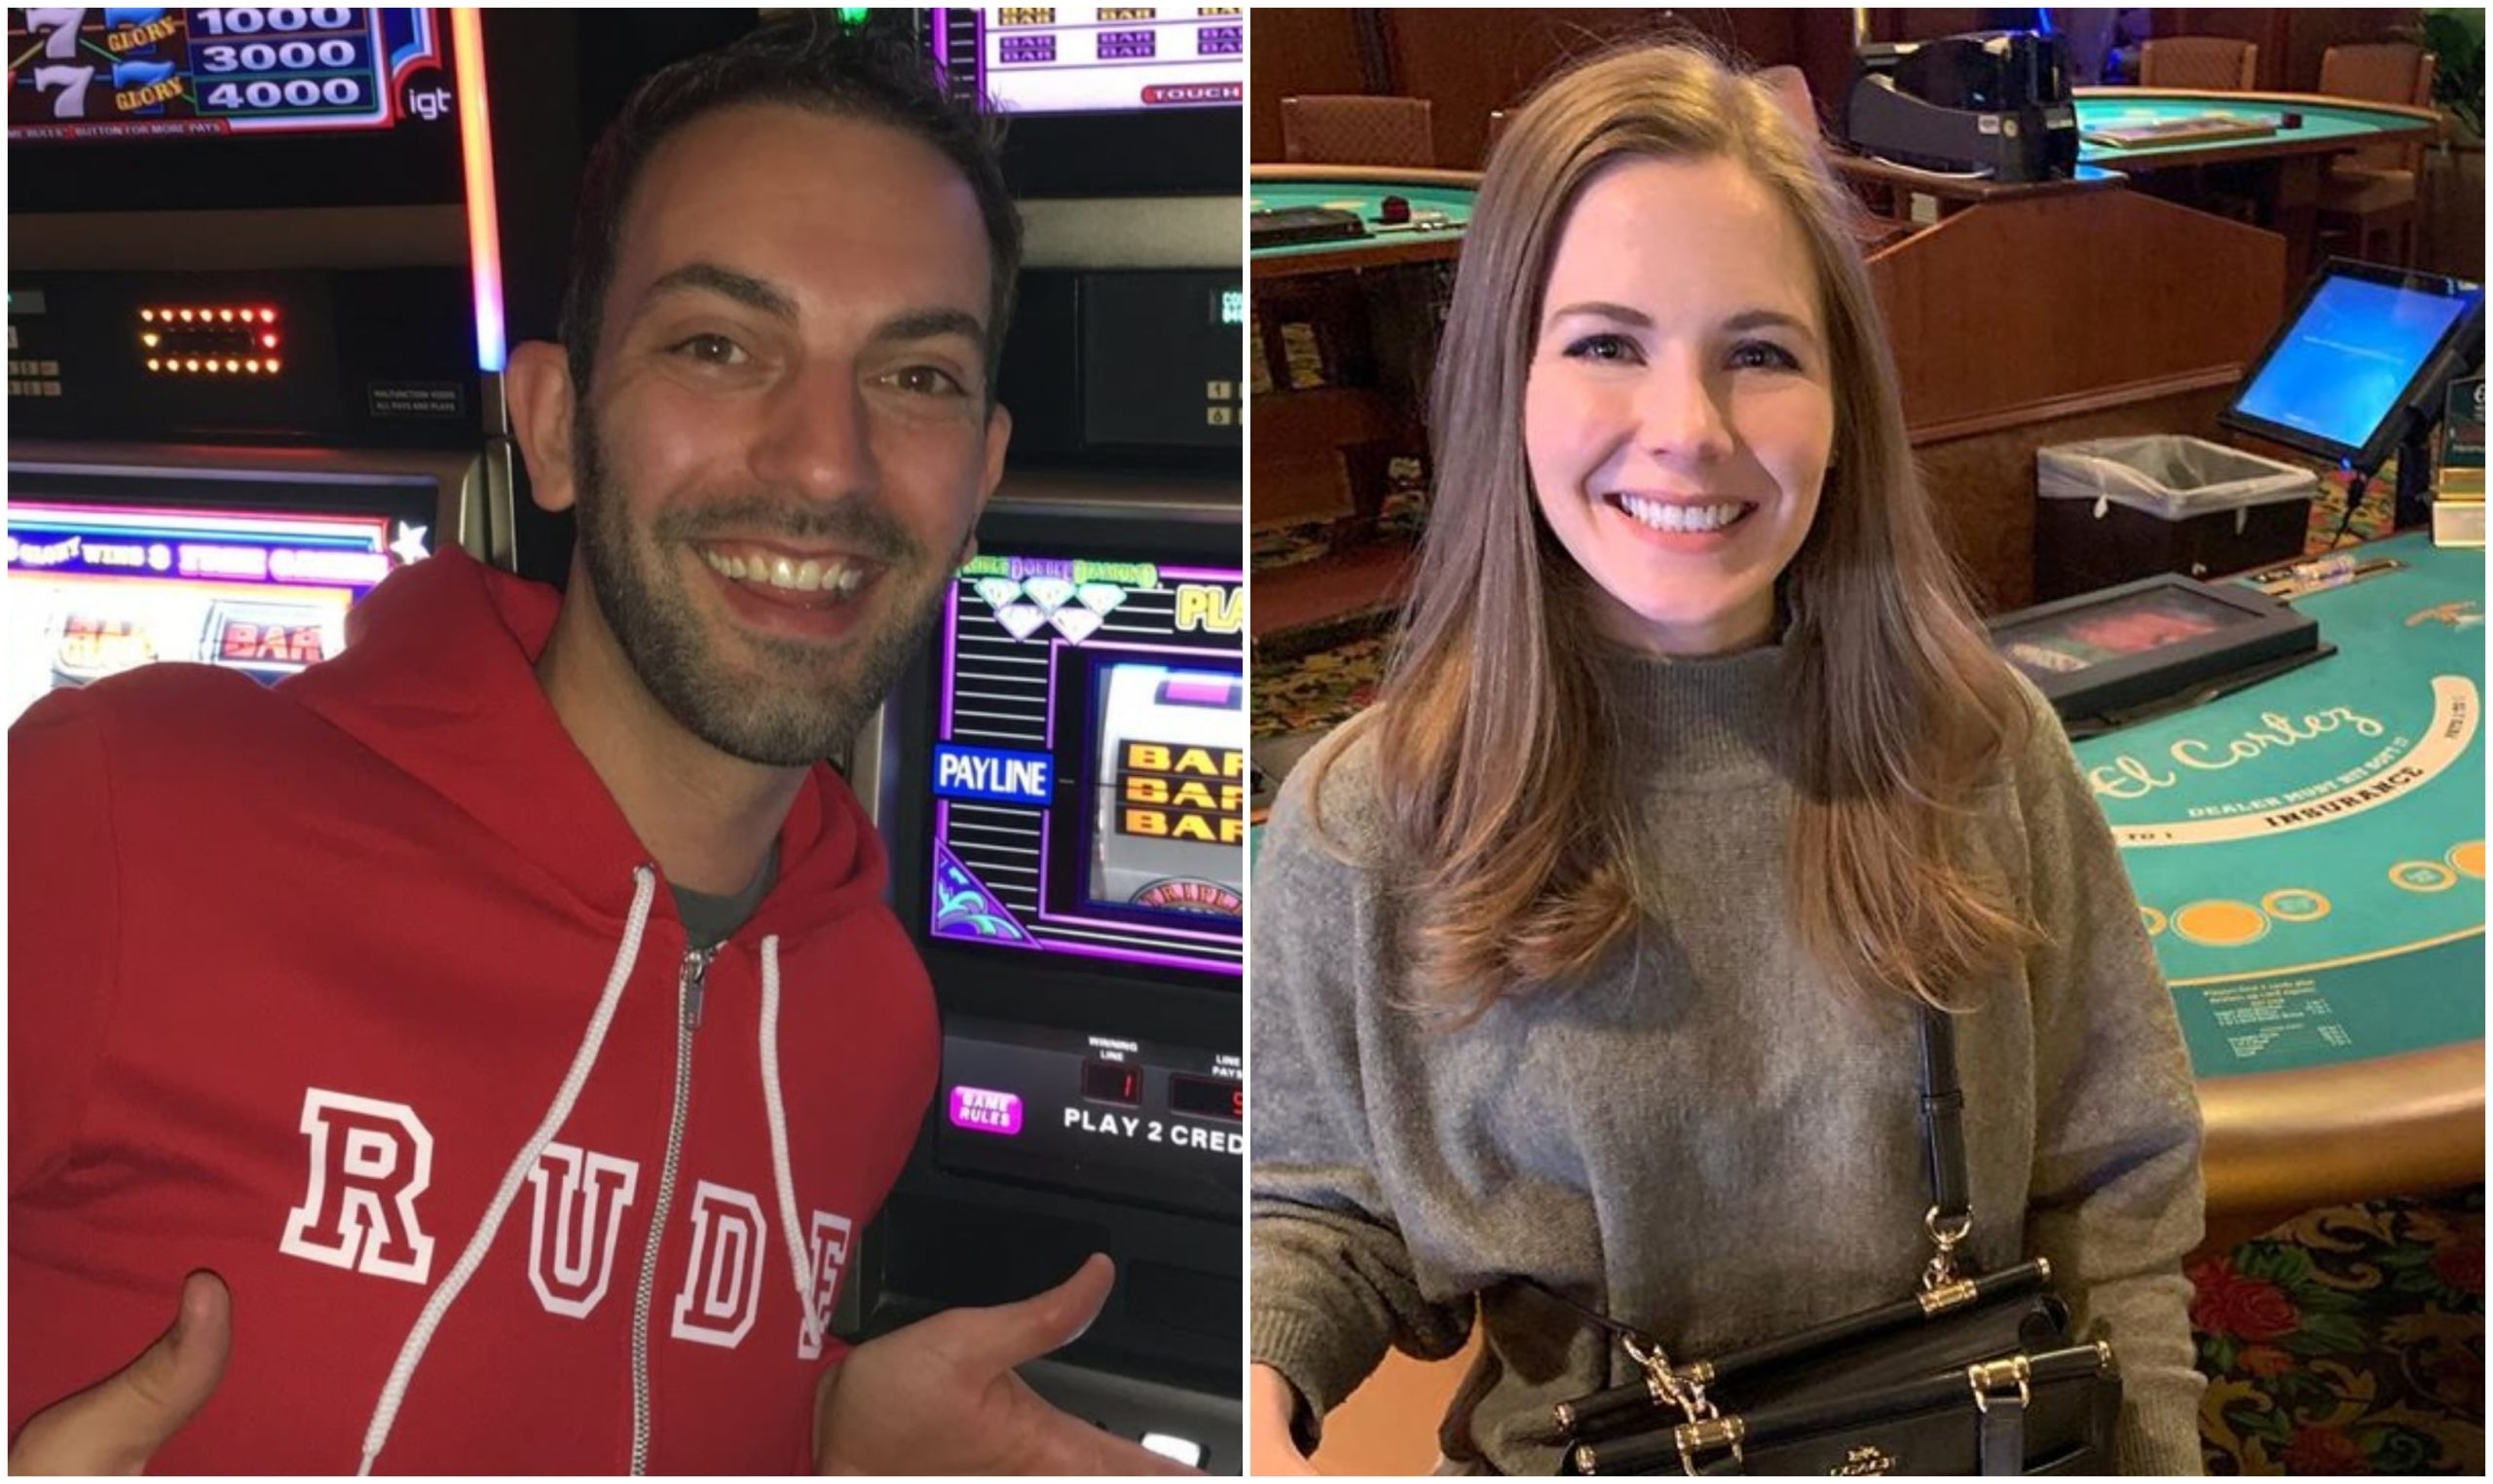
(1357, 129)
(2217, 62)
(2371, 192)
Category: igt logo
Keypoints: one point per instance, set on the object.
(428, 103)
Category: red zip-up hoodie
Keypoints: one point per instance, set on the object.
(361, 992)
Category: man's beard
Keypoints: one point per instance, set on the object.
(808, 700)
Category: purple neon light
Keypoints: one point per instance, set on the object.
(1188, 933)
(1203, 573)
(985, 1111)
(1197, 688)
(1166, 960)
(1129, 647)
(951, 642)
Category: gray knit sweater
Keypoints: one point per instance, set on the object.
(1705, 1140)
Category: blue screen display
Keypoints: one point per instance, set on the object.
(2341, 365)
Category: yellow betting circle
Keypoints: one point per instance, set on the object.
(2280, 904)
(2218, 923)
(2431, 876)
(2155, 921)
(2469, 857)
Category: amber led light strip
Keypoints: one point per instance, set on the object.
(215, 339)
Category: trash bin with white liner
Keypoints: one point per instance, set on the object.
(2111, 510)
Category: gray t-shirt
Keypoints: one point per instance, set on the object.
(1703, 1139)
(709, 919)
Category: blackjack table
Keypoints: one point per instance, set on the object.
(2308, 855)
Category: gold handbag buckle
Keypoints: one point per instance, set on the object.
(1986, 1377)
(1713, 1433)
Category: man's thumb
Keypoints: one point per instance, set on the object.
(1009, 1334)
(117, 1424)
(174, 1378)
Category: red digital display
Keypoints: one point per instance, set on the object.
(1208, 1097)
(1117, 1081)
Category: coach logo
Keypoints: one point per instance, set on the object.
(580, 1199)
(370, 1160)
(1866, 1458)
(723, 1282)
(829, 1257)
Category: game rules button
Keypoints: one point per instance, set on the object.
(985, 1111)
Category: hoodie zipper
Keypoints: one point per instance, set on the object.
(689, 984)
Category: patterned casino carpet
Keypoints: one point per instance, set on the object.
(2348, 1340)
(1318, 691)
(2371, 520)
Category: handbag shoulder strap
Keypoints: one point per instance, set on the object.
(1942, 1140)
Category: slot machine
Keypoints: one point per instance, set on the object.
(1061, 779)
(253, 329)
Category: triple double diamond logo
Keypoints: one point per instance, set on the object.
(1073, 609)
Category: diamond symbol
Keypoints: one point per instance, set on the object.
(999, 591)
(1021, 619)
(1049, 593)
(1100, 597)
(1076, 624)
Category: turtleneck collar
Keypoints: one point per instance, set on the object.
(1700, 716)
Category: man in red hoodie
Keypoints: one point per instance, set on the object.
(505, 1013)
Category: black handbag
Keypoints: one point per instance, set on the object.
(1971, 1374)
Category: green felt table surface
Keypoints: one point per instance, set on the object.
(1369, 201)
(2320, 122)
(2309, 853)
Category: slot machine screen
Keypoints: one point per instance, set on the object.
(1095, 58)
(108, 74)
(1090, 763)
(94, 590)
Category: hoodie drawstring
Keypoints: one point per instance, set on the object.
(411, 1353)
(800, 1261)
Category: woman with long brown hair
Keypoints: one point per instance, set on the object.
(1590, 955)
